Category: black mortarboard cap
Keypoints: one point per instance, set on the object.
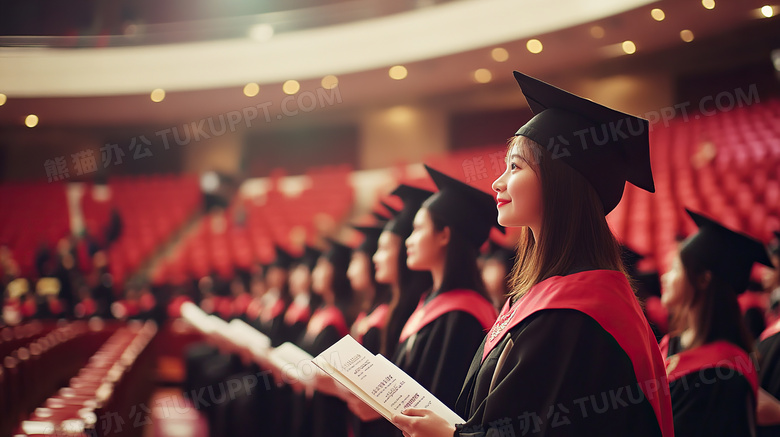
(370, 242)
(283, 258)
(607, 147)
(465, 209)
(729, 255)
(412, 198)
(338, 254)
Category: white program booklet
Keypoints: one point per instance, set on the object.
(378, 382)
(293, 361)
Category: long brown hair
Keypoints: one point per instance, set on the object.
(716, 308)
(574, 235)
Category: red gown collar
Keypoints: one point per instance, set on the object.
(605, 296)
(716, 354)
(468, 301)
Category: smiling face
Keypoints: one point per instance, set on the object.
(426, 247)
(519, 189)
(386, 258)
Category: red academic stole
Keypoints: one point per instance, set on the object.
(771, 330)
(752, 299)
(377, 319)
(324, 317)
(297, 313)
(606, 297)
(468, 301)
(716, 354)
(271, 311)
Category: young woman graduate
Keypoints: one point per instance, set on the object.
(712, 378)
(451, 320)
(407, 286)
(768, 349)
(298, 313)
(375, 297)
(571, 352)
(276, 298)
(326, 415)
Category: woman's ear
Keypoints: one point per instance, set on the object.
(443, 237)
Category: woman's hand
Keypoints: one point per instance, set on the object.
(416, 422)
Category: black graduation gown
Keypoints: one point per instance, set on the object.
(322, 415)
(769, 374)
(271, 322)
(711, 402)
(562, 375)
(437, 356)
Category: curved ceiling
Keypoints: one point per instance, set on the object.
(411, 36)
(441, 46)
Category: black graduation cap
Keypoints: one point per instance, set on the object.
(467, 210)
(413, 198)
(338, 254)
(309, 257)
(370, 242)
(607, 147)
(729, 255)
(283, 258)
(630, 259)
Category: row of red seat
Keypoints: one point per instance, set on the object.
(246, 232)
(105, 387)
(43, 358)
(152, 208)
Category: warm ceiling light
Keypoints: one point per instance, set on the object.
(629, 47)
(597, 32)
(329, 82)
(261, 32)
(291, 87)
(708, 4)
(397, 72)
(658, 14)
(251, 89)
(31, 120)
(158, 95)
(499, 54)
(482, 75)
(534, 46)
(3, 99)
(767, 11)
(686, 35)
